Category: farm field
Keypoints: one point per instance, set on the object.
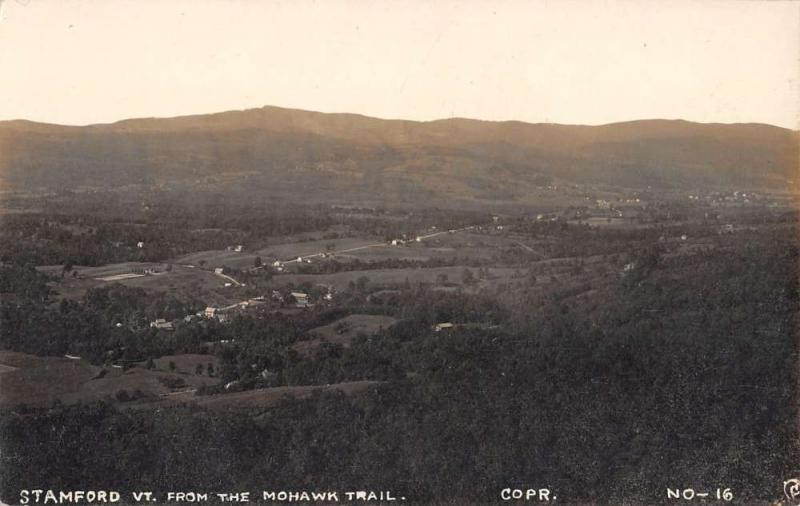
(41, 381)
(344, 330)
(470, 244)
(419, 251)
(101, 271)
(258, 398)
(433, 245)
(211, 259)
(290, 251)
(185, 363)
(382, 277)
(284, 252)
(184, 282)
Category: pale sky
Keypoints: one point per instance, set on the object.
(579, 62)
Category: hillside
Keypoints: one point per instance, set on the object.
(343, 156)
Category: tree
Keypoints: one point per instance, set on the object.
(257, 262)
(198, 370)
(210, 369)
(172, 366)
(150, 364)
(467, 277)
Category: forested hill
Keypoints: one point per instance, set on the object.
(293, 150)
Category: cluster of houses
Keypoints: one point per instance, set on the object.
(721, 199)
(280, 266)
(404, 240)
(295, 299)
(603, 209)
(153, 270)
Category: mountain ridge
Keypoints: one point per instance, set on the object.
(367, 116)
(458, 158)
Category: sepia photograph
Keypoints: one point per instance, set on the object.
(424, 252)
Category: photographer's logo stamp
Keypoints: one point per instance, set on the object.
(791, 489)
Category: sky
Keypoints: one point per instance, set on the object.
(555, 61)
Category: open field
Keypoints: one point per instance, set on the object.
(101, 271)
(419, 251)
(385, 277)
(211, 259)
(41, 381)
(120, 277)
(290, 251)
(185, 363)
(344, 330)
(432, 244)
(148, 382)
(284, 252)
(184, 282)
(259, 398)
(340, 280)
(480, 243)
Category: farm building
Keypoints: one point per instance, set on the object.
(162, 324)
(218, 270)
(210, 312)
(443, 326)
(300, 298)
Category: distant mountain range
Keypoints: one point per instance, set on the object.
(339, 156)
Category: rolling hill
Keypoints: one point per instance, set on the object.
(346, 156)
